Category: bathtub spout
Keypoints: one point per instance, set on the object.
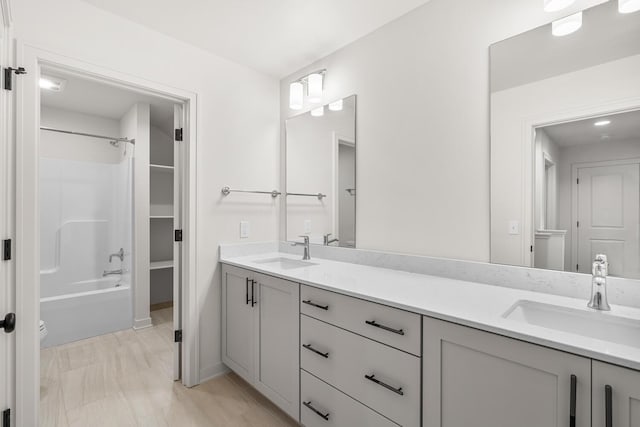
(112, 272)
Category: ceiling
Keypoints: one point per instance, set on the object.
(623, 127)
(276, 37)
(88, 96)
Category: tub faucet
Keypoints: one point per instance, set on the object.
(599, 271)
(119, 254)
(305, 256)
(328, 241)
(112, 272)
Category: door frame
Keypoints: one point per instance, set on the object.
(574, 197)
(27, 217)
(337, 140)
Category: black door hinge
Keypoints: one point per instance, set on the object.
(178, 134)
(578, 181)
(177, 235)
(578, 224)
(577, 267)
(8, 76)
(177, 335)
(531, 248)
(6, 249)
(6, 418)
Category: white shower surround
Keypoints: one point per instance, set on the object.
(86, 214)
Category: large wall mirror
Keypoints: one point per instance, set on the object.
(565, 145)
(321, 174)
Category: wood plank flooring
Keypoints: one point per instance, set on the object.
(125, 379)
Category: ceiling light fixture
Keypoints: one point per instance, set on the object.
(628, 6)
(602, 123)
(314, 88)
(556, 5)
(337, 105)
(317, 112)
(53, 84)
(296, 95)
(567, 25)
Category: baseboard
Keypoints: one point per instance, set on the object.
(142, 323)
(211, 372)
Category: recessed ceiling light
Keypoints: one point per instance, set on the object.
(628, 6)
(556, 5)
(53, 84)
(602, 123)
(566, 26)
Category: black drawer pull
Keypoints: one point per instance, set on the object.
(313, 304)
(608, 405)
(320, 414)
(308, 347)
(386, 328)
(387, 386)
(572, 401)
(246, 291)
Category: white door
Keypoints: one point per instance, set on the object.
(616, 396)
(474, 378)
(238, 294)
(278, 328)
(608, 213)
(178, 159)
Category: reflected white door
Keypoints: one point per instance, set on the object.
(608, 213)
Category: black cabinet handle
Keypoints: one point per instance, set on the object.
(320, 414)
(246, 291)
(386, 328)
(608, 406)
(313, 304)
(253, 295)
(572, 404)
(308, 347)
(8, 323)
(385, 385)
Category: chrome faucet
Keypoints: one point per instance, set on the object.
(305, 256)
(112, 272)
(599, 271)
(328, 241)
(119, 254)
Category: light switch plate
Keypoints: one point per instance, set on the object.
(514, 227)
(307, 226)
(244, 229)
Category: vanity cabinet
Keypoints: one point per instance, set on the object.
(616, 396)
(260, 334)
(480, 379)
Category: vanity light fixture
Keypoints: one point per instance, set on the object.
(602, 123)
(628, 6)
(556, 5)
(53, 84)
(314, 88)
(317, 112)
(567, 25)
(296, 95)
(337, 105)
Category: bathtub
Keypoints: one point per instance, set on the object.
(87, 309)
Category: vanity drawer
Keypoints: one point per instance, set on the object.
(394, 327)
(335, 408)
(381, 377)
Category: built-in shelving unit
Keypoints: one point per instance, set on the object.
(161, 196)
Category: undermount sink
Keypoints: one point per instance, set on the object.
(588, 323)
(284, 263)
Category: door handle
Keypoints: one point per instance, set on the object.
(253, 299)
(608, 406)
(246, 291)
(8, 323)
(572, 404)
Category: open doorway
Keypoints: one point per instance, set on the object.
(108, 183)
(587, 194)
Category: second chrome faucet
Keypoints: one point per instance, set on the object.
(600, 270)
(305, 243)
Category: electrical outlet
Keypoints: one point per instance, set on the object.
(244, 229)
(514, 227)
(307, 226)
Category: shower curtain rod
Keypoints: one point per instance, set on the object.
(133, 141)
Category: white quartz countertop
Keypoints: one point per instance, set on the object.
(467, 303)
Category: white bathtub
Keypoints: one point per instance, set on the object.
(89, 308)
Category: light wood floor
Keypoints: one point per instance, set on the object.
(125, 379)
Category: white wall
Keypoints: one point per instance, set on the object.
(237, 127)
(423, 123)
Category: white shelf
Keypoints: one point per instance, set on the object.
(161, 168)
(160, 265)
(161, 217)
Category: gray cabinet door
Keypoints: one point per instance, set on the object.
(237, 322)
(625, 395)
(277, 327)
(479, 379)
